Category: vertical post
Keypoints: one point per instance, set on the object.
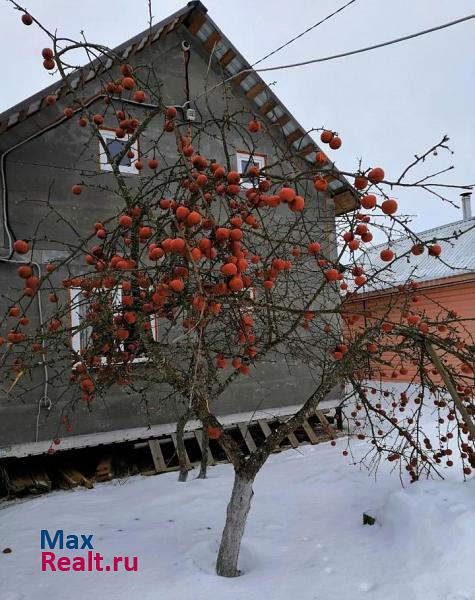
(466, 198)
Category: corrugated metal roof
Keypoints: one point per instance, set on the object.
(457, 256)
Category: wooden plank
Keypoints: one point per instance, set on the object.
(267, 106)
(307, 149)
(199, 439)
(42, 481)
(326, 426)
(246, 434)
(187, 458)
(294, 136)
(134, 49)
(15, 381)
(344, 202)
(74, 478)
(104, 469)
(36, 482)
(322, 418)
(146, 45)
(266, 430)
(20, 483)
(241, 76)
(171, 26)
(66, 480)
(283, 120)
(293, 440)
(310, 432)
(213, 39)
(227, 57)
(157, 456)
(255, 90)
(196, 22)
(163, 32)
(79, 477)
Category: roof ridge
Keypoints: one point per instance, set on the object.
(421, 233)
(194, 16)
(149, 31)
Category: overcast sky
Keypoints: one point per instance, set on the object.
(387, 105)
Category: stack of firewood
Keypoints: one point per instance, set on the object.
(104, 469)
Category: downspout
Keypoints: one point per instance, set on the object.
(44, 400)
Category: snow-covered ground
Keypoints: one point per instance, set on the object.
(304, 538)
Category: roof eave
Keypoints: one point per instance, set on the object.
(20, 107)
(194, 15)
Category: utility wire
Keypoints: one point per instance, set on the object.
(335, 56)
(368, 48)
(304, 32)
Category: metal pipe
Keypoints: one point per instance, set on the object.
(44, 400)
(466, 198)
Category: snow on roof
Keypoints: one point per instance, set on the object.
(457, 257)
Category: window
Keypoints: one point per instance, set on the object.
(252, 295)
(115, 147)
(245, 161)
(81, 332)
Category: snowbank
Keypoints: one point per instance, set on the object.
(304, 539)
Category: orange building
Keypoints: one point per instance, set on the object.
(445, 284)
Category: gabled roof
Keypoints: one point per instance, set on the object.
(457, 257)
(194, 16)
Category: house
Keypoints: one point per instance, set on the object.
(43, 154)
(443, 285)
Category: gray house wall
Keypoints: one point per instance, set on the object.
(38, 176)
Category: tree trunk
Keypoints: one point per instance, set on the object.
(451, 388)
(204, 453)
(180, 446)
(236, 517)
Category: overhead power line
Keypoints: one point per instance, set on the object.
(333, 14)
(367, 49)
(335, 56)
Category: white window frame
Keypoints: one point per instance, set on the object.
(258, 159)
(109, 134)
(76, 322)
(252, 294)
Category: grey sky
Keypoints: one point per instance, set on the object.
(387, 105)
